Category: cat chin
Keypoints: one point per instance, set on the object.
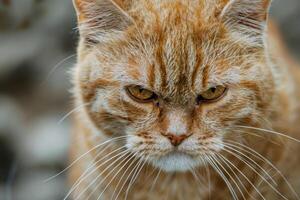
(176, 162)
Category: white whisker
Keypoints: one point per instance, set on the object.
(56, 67)
(120, 190)
(219, 171)
(230, 176)
(132, 181)
(255, 154)
(116, 174)
(247, 179)
(255, 171)
(71, 112)
(119, 156)
(251, 160)
(86, 173)
(155, 180)
(271, 132)
(83, 155)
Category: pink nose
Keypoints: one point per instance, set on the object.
(176, 140)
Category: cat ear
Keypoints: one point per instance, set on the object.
(100, 20)
(247, 19)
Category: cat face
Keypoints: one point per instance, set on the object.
(173, 77)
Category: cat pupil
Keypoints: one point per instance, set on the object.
(213, 90)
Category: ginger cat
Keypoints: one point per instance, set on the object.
(183, 99)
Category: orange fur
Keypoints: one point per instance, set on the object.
(179, 49)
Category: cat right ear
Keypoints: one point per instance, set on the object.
(247, 19)
(100, 20)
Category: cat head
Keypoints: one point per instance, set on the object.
(173, 76)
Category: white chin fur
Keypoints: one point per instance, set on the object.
(176, 162)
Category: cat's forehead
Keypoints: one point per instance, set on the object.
(177, 32)
(183, 7)
(182, 60)
(170, 13)
(179, 67)
(179, 48)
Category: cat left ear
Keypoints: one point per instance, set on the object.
(247, 20)
(100, 20)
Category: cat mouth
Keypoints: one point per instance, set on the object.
(176, 161)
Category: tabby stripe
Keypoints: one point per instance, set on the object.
(254, 87)
(151, 75)
(250, 24)
(205, 76)
(196, 68)
(159, 55)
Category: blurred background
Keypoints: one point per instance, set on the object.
(37, 51)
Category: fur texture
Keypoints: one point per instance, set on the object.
(242, 146)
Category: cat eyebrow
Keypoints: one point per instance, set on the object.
(212, 75)
(151, 75)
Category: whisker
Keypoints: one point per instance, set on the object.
(116, 174)
(255, 171)
(135, 159)
(82, 156)
(132, 174)
(201, 180)
(197, 179)
(251, 160)
(152, 171)
(118, 157)
(236, 176)
(252, 134)
(271, 132)
(230, 176)
(208, 177)
(218, 170)
(121, 156)
(257, 155)
(132, 181)
(196, 176)
(155, 180)
(246, 178)
(71, 112)
(87, 172)
(56, 67)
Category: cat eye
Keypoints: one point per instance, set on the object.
(212, 94)
(140, 94)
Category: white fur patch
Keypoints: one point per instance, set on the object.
(176, 161)
(177, 124)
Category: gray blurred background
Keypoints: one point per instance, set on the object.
(37, 46)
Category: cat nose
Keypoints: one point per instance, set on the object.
(176, 140)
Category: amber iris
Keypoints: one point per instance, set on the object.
(140, 94)
(212, 94)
